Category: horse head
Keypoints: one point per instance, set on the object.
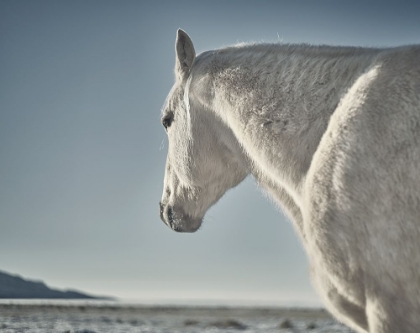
(204, 159)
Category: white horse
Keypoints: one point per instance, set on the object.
(333, 134)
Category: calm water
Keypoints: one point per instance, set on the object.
(97, 316)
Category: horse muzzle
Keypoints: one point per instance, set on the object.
(176, 219)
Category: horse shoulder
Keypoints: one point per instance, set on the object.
(361, 197)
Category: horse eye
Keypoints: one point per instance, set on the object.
(167, 120)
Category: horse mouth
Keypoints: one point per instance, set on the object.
(184, 230)
(177, 220)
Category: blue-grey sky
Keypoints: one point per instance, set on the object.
(82, 151)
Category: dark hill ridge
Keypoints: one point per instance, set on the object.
(13, 286)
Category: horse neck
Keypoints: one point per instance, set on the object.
(278, 101)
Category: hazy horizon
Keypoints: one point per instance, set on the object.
(83, 151)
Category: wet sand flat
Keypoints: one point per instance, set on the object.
(34, 318)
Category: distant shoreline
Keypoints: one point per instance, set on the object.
(183, 304)
(193, 311)
(164, 309)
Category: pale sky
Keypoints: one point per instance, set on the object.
(83, 151)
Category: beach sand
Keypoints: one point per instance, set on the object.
(88, 318)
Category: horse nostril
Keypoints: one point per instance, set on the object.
(161, 209)
(170, 215)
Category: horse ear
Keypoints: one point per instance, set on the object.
(185, 54)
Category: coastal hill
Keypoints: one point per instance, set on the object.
(13, 286)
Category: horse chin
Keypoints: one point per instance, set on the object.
(187, 224)
(186, 228)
